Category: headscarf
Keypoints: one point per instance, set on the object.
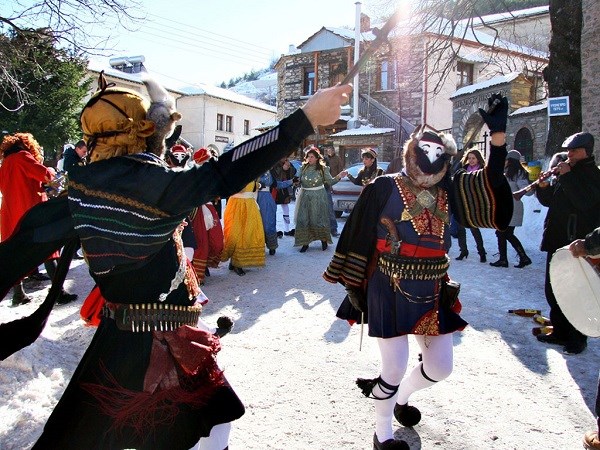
(114, 122)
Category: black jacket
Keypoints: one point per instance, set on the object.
(573, 205)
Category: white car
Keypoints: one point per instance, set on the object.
(345, 192)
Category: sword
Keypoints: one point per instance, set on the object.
(380, 39)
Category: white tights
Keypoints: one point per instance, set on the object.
(286, 216)
(437, 355)
(217, 440)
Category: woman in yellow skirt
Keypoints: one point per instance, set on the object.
(243, 231)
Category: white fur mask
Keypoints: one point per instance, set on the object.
(433, 150)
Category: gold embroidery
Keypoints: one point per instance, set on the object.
(427, 209)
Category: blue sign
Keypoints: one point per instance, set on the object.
(558, 106)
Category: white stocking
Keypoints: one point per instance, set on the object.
(286, 216)
(217, 440)
(394, 358)
(437, 363)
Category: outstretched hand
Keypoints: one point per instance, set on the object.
(324, 107)
(497, 113)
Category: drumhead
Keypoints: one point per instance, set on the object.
(576, 286)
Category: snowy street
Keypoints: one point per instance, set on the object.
(294, 364)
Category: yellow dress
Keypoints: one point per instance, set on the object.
(243, 230)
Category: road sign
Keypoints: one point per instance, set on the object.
(558, 106)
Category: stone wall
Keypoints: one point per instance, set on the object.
(590, 65)
(537, 124)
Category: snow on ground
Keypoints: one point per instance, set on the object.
(294, 364)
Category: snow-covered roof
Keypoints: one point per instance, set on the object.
(366, 130)
(505, 16)
(530, 109)
(501, 79)
(344, 33)
(197, 89)
(225, 94)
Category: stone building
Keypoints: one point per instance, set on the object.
(401, 86)
(590, 65)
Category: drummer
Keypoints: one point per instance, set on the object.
(573, 203)
(590, 246)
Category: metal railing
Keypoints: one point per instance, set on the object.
(380, 116)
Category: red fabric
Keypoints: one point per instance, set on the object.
(91, 308)
(21, 178)
(209, 242)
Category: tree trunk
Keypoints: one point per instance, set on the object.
(563, 73)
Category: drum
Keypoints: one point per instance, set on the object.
(576, 286)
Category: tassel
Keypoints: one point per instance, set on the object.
(366, 385)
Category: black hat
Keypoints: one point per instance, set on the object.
(432, 137)
(578, 140)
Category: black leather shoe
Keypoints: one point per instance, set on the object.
(271, 251)
(65, 298)
(239, 271)
(38, 277)
(324, 245)
(290, 233)
(552, 338)
(482, 258)
(390, 444)
(462, 256)
(280, 234)
(20, 299)
(500, 263)
(575, 346)
(525, 261)
(304, 248)
(407, 415)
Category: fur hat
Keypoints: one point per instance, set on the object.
(369, 151)
(412, 168)
(177, 156)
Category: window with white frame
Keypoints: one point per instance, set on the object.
(229, 124)
(220, 122)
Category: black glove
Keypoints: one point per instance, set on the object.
(357, 298)
(295, 180)
(497, 113)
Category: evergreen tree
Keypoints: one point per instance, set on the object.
(52, 80)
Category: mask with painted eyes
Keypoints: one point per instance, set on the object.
(431, 153)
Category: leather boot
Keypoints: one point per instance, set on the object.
(19, 296)
(524, 260)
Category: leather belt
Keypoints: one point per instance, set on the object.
(146, 317)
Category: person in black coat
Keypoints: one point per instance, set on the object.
(573, 202)
(75, 156)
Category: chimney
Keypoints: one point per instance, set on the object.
(365, 23)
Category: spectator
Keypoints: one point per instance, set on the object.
(518, 178)
(370, 170)
(573, 202)
(75, 156)
(22, 176)
(472, 161)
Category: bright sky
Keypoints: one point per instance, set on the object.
(211, 41)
